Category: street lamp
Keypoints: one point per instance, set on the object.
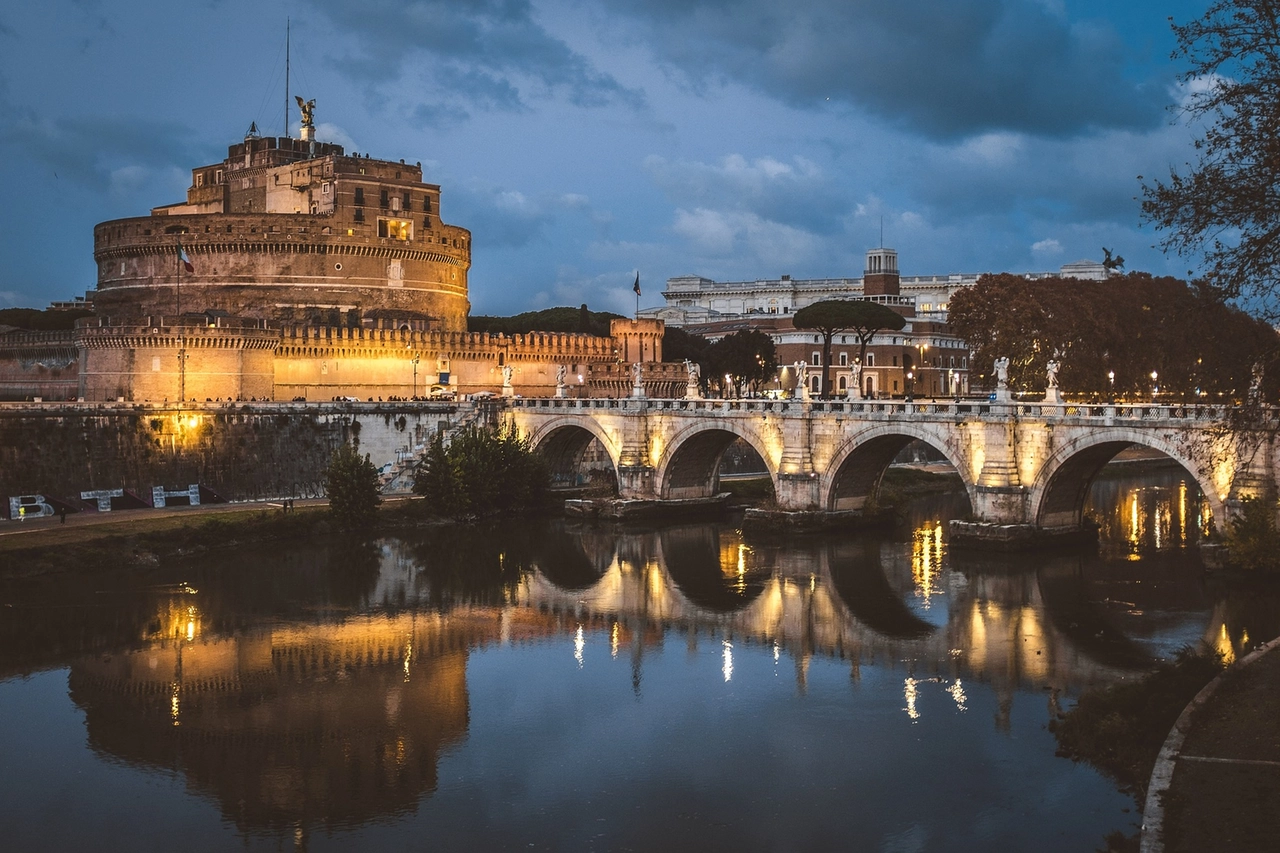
(922, 348)
(728, 383)
(1111, 377)
(911, 384)
(1155, 388)
(414, 387)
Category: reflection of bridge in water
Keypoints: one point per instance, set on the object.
(837, 599)
(292, 721)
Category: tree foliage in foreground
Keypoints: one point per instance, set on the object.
(351, 482)
(1226, 205)
(1130, 324)
(481, 471)
(859, 316)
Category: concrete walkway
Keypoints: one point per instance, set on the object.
(1216, 786)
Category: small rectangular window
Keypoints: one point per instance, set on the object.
(360, 195)
(217, 177)
(426, 204)
(324, 188)
(199, 179)
(895, 361)
(844, 359)
(359, 214)
(426, 222)
(871, 359)
(817, 359)
(396, 229)
(384, 199)
(404, 202)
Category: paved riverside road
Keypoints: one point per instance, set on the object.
(1224, 794)
(89, 518)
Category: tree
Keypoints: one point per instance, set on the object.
(351, 482)
(833, 316)
(482, 470)
(746, 357)
(1128, 325)
(1227, 204)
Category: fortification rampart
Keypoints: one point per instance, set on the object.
(39, 364)
(242, 452)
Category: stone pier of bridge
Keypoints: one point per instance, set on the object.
(1026, 467)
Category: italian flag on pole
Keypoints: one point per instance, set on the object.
(186, 261)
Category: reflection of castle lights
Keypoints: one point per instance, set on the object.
(727, 666)
(926, 559)
(1182, 512)
(957, 693)
(613, 640)
(777, 652)
(175, 705)
(1224, 647)
(579, 643)
(909, 693)
(408, 656)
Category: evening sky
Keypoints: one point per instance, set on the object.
(583, 140)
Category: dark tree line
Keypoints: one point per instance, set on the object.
(1128, 325)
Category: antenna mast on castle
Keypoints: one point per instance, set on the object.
(286, 76)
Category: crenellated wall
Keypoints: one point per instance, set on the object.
(39, 364)
(199, 357)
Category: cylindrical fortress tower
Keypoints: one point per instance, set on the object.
(292, 231)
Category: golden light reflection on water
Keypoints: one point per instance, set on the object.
(927, 551)
(1147, 518)
(909, 693)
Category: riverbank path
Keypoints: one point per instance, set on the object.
(1224, 793)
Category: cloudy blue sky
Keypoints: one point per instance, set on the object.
(582, 140)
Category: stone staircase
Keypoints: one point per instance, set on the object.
(398, 478)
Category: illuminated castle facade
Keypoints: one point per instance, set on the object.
(294, 270)
(292, 231)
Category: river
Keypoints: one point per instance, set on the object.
(544, 686)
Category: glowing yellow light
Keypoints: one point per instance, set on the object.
(175, 705)
(579, 643)
(193, 422)
(1182, 512)
(957, 694)
(909, 693)
(613, 640)
(408, 656)
(1224, 647)
(727, 665)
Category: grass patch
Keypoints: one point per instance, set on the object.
(899, 485)
(1120, 729)
(753, 492)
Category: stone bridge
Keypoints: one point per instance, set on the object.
(1026, 467)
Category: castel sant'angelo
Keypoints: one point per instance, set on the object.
(296, 270)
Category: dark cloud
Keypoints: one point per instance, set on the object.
(948, 69)
(91, 149)
(482, 53)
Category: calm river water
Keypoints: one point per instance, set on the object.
(552, 687)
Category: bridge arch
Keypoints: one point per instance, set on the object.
(1061, 487)
(687, 467)
(857, 466)
(562, 441)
